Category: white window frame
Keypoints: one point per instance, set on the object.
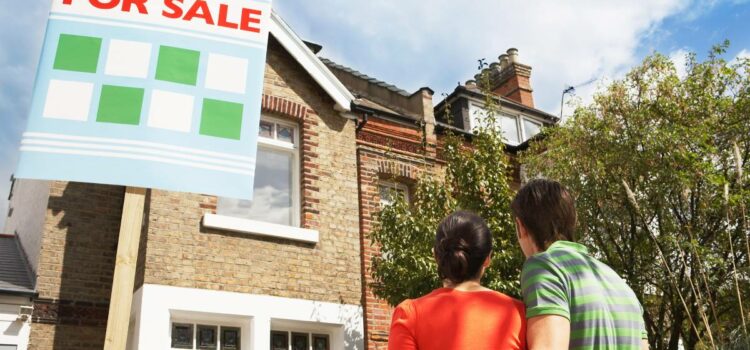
(394, 186)
(291, 232)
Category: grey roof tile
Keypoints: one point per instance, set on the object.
(14, 274)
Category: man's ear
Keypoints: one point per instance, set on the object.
(521, 229)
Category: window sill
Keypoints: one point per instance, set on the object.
(229, 223)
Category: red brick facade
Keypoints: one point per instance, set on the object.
(394, 152)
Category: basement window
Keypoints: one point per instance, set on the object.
(290, 340)
(204, 337)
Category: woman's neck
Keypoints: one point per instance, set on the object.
(465, 286)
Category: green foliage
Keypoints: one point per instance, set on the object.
(475, 178)
(672, 140)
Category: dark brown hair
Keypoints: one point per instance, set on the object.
(547, 210)
(462, 244)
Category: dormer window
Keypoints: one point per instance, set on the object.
(516, 129)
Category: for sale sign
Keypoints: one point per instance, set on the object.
(150, 93)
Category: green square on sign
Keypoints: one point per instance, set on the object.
(177, 65)
(120, 105)
(221, 119)
(77, 53)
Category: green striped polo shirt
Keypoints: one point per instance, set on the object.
(565, 280)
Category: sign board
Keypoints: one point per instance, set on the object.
(149, 93)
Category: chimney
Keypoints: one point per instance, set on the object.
(512, 79)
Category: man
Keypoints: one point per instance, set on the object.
(572, 299)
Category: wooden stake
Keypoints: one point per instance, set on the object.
(124, 277)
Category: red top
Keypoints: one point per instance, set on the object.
(452, 319)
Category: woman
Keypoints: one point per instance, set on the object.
(462, 314)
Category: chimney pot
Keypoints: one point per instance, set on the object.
(513, 55)
(504, 61)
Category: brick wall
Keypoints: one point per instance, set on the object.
(180, 252)
(76, 265)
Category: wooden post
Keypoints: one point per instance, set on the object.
(124, 277)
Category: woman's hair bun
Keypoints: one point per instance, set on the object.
(462, 243)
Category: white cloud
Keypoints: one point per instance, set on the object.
(679, 58)
(414, 43)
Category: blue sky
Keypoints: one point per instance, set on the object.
(414, 43)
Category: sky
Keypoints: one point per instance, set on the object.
(437, 43)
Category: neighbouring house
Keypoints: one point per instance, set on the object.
(16, 295)
(398, 136)
(288, 270)
(18, 264)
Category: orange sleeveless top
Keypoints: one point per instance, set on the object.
(452, 319)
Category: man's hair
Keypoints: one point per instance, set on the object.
(547, 210)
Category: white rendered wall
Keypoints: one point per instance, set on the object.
(13, 331)
(156, 306)
(27, 210)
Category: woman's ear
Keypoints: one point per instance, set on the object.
(487, 261)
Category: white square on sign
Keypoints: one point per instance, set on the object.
(226, 73)
(128, 59)
(171, 111)
(69, 100)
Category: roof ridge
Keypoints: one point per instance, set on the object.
(363, 76)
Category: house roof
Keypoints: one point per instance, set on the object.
(311, 63)
(374, 95)
(15, 276)
(363, 76)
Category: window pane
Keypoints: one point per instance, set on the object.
(300, 341)
(272, 198)
(285, 133)
(320, 342)
(207, 337)
(182, 336)
(279, 341)
(530, 128)
(388, 193)
(230, 338)
(266, 129)
(510, 129)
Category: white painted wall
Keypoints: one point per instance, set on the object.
(155, 307)
(13, 331)
(27, 210)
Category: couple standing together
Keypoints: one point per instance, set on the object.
(570, 299)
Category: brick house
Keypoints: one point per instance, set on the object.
(289, 269)
(217, 273)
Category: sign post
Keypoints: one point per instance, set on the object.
(148, 94)
(118, 320)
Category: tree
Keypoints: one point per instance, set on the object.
(475, 178)
(659, 165)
